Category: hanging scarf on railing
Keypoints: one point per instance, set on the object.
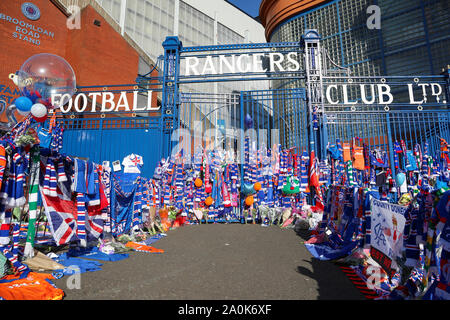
(16, 181)
(410, 236)
(225, 188)
(11, 251)
(304, 171)
(2, 163)
(106, 212)
(234, 176)
(167, 182)
(429, 237)
(32, 202)
(122, 206)
(57, 138)
(445, 159)
(340, 166)
(50, 179)
(207, 172)
(179, 185)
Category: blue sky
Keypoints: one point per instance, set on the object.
(249, 6)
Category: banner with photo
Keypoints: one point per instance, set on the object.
(387, 227)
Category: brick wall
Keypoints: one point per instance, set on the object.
(99, 55)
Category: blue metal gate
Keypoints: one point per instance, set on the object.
(111, 139)
(293, 112)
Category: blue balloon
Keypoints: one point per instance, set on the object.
(23, 104)
(248, 121)
(400, 178)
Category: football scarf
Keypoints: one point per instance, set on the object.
(2, 163)
(208, 185)
(106, 212)
(304, 171)
(50, 179)
(405, 158)
(11, 251)
(16, 179)
(32, 202)
(445, 154)
(121, 207)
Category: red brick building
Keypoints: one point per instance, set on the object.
(97, 52)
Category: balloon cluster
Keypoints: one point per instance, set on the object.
(41, 76)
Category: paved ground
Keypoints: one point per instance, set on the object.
(219, 262)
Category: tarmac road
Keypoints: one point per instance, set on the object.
(218, 262)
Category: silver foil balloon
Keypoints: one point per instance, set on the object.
(12, 121)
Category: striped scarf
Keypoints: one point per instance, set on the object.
(50, 179)
(32, 201)
(81, 218)
(57, 138)
(106, 212)
(137, 205)
(16, 179)
(179, 186)
(167, 184)
(234, 176)
(2, 162)
(410, 236)
(11, 252)
(304, 171)
(333, 192)
(61, 173)
(351, 179)
(247, 173)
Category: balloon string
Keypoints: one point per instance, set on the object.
(17, 126)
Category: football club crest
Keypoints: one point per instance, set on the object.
(31, 11)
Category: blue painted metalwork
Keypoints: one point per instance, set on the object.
(111, 139)
(288, 110)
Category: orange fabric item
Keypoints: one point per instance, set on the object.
(346, 151)
(35, 286)
(142, 247)
(358, 156)
(2, 162)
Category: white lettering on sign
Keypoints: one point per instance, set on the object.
(108, 101)
(380, 93)
(27, 31)
(242, 63)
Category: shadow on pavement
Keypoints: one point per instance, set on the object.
(332, 283)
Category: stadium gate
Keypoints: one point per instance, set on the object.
(305, 105)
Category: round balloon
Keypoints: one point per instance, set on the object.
(45, 74)
(38, 110)
(249, 200)
(198, 182)
(209, 201)
(400, 178)
(257, 186)
(23, 104)
(42, 119)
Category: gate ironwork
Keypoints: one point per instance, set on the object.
(307, 107)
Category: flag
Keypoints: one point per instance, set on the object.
(313, 172)
(62, 214)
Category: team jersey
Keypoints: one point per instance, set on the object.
(132, 163)
(29, 286)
